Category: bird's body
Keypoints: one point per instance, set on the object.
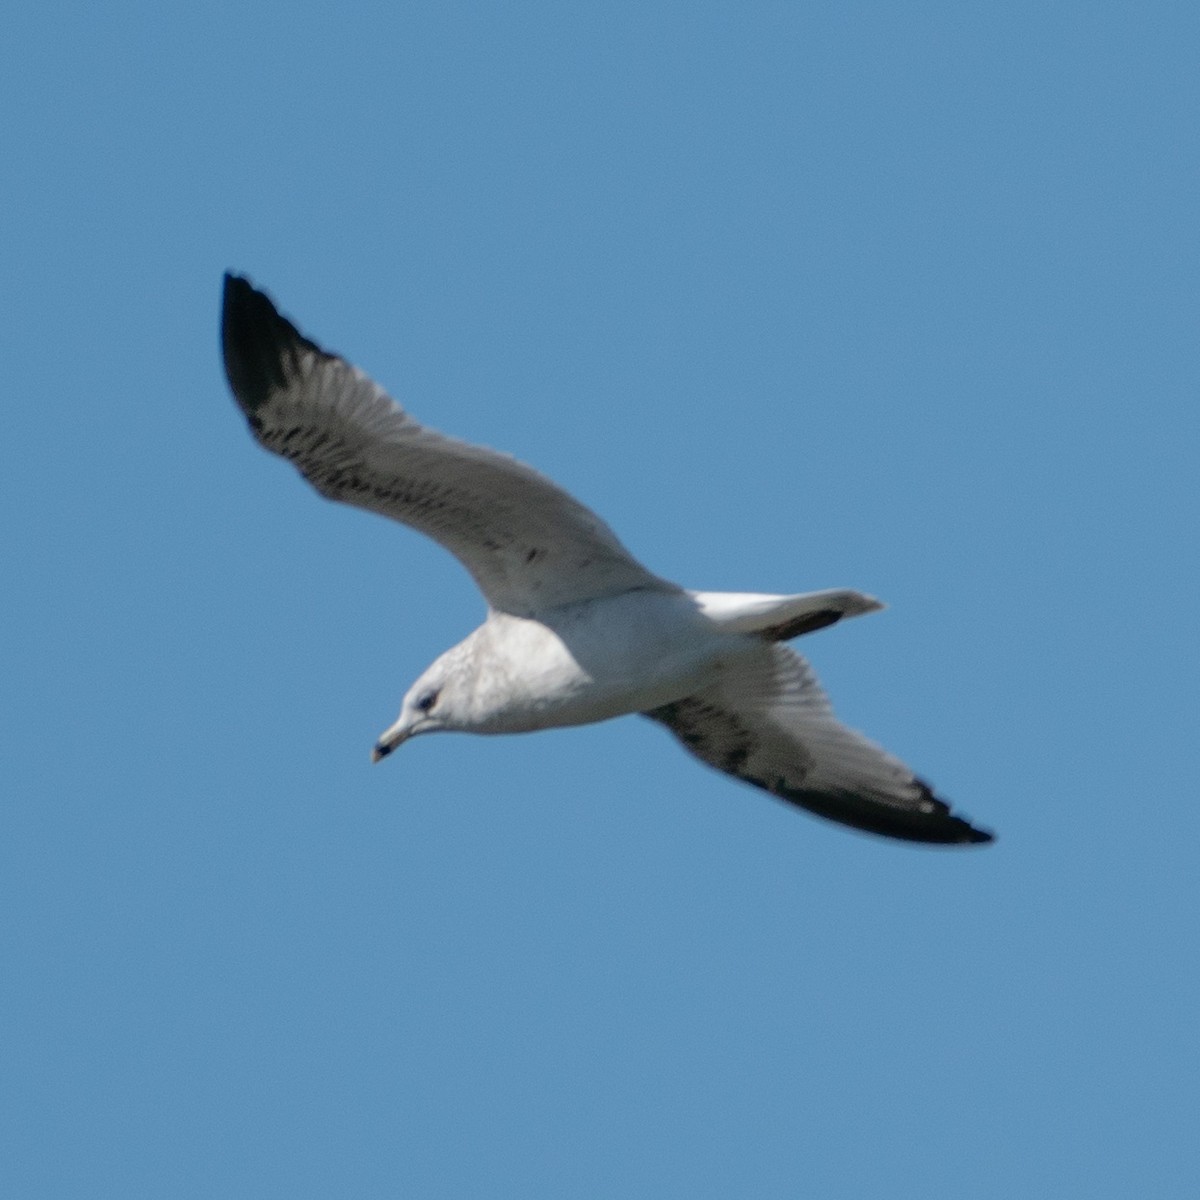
(592, 660)
(577, 629)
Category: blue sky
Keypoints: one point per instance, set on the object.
(896, 297)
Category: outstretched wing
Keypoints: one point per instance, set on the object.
(527, 543)
(768, 722)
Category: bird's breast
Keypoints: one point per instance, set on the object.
(600, 659)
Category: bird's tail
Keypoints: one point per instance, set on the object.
(780, 618)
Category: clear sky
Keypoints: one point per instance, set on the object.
(900, 297)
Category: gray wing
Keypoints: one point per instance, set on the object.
(767, 722)
(526, 542)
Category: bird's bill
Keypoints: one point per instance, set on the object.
(389, 740)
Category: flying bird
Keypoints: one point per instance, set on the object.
(577, 630)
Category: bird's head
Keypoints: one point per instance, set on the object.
(426, 709)
(446, 697)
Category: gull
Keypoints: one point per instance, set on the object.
(577, 630)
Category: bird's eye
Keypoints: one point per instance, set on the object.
(426, 701)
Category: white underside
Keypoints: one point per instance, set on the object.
(621, 654)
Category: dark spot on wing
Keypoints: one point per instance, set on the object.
(709, 732)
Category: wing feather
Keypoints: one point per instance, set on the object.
(768, 722)
(528, 544)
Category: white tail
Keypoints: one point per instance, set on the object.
(779, 618)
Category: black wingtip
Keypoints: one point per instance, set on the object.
(948, 827)
(928, 821)
(970, 836)
(259, 345)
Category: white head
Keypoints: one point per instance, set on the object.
(444, 698)
(426, 709)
